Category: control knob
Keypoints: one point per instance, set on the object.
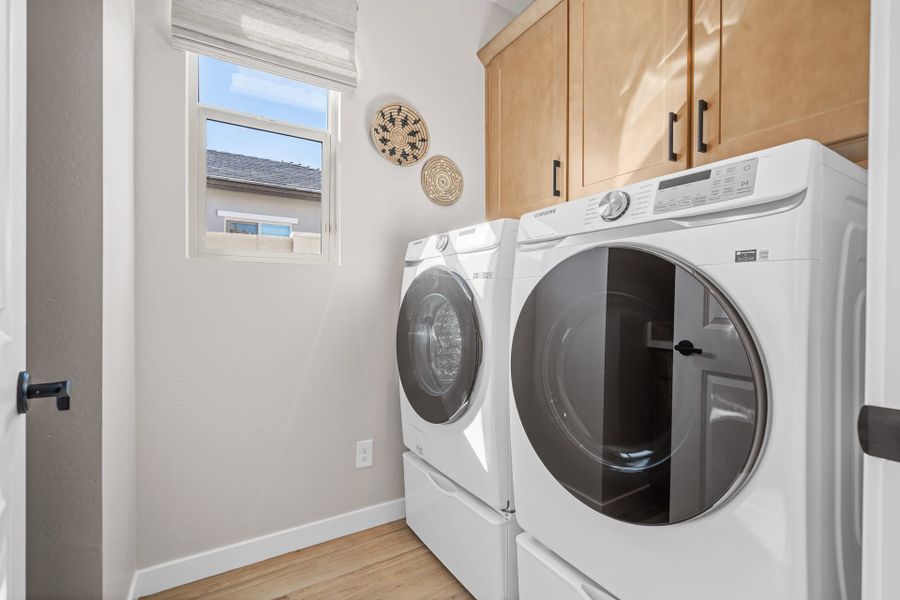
(614, 204)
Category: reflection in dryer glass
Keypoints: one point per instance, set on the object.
(437, 347)
(631, 427)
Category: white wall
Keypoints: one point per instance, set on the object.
(64, 296)
(514, 6)
(119, 483)
(255, 380)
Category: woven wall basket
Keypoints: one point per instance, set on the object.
(442, 180)
(400, 134)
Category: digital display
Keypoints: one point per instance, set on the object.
(692, 178)
(721, 183)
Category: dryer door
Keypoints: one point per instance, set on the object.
(438, 345)
(638, 385)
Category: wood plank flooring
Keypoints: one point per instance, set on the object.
(387, 562)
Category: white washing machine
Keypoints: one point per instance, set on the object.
(686, 370)
(453, 358)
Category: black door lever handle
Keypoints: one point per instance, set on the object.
(26, 391)
(686, 347)
(878, 428)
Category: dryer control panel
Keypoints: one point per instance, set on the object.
(700, 188)
(735, 184)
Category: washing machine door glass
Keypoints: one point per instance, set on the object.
(638, 385)
(438, 345)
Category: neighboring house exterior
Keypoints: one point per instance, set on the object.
(250, 195)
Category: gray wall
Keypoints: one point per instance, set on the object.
(64, 296)
(309, 212)
(251, 397)
(81, 484)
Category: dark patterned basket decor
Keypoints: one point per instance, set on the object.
(400, 134)
(442, 180)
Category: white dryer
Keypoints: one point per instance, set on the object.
(686, 369)
(453, 359)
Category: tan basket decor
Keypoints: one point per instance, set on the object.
(441, 180)
(400, 134)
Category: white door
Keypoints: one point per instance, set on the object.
(12, 297)
(714, 368)
(881, 504)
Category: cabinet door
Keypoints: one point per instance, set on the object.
(774, 71)
(628, 69)
(526, 119)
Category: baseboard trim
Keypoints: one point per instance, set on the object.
(205, 564)
(132, 590)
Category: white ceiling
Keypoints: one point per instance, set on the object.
(515, 6)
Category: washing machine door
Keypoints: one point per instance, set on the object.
(638, 385)
(438, 345)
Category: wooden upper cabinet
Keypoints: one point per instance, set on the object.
(592, 84)
(628, 69)
(527, 119)
(772, 71)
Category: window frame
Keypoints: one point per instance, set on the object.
(199, 114)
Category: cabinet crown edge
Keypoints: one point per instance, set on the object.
(521, 23)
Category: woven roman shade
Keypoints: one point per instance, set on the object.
(308, 40)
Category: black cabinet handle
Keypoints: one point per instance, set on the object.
(556, 165)
(27, 391)
(686, 347)
(702, 107)
(673, 118)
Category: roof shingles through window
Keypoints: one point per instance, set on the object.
(238, 168)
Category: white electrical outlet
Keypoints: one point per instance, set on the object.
(363, 454)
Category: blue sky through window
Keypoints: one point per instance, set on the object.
(226, 137)
(224, 85)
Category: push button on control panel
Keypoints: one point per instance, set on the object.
(614, 204)
(701, 188)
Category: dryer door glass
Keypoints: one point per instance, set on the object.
(638, 385)
(438, 345)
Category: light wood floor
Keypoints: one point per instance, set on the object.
(387, 562)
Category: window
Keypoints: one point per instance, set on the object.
(263, 163)
(276, 230)
(241, 227)
(258, 225)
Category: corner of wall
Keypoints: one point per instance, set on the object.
(118, 365)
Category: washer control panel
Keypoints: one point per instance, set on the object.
(613, 205)
(725, 182)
